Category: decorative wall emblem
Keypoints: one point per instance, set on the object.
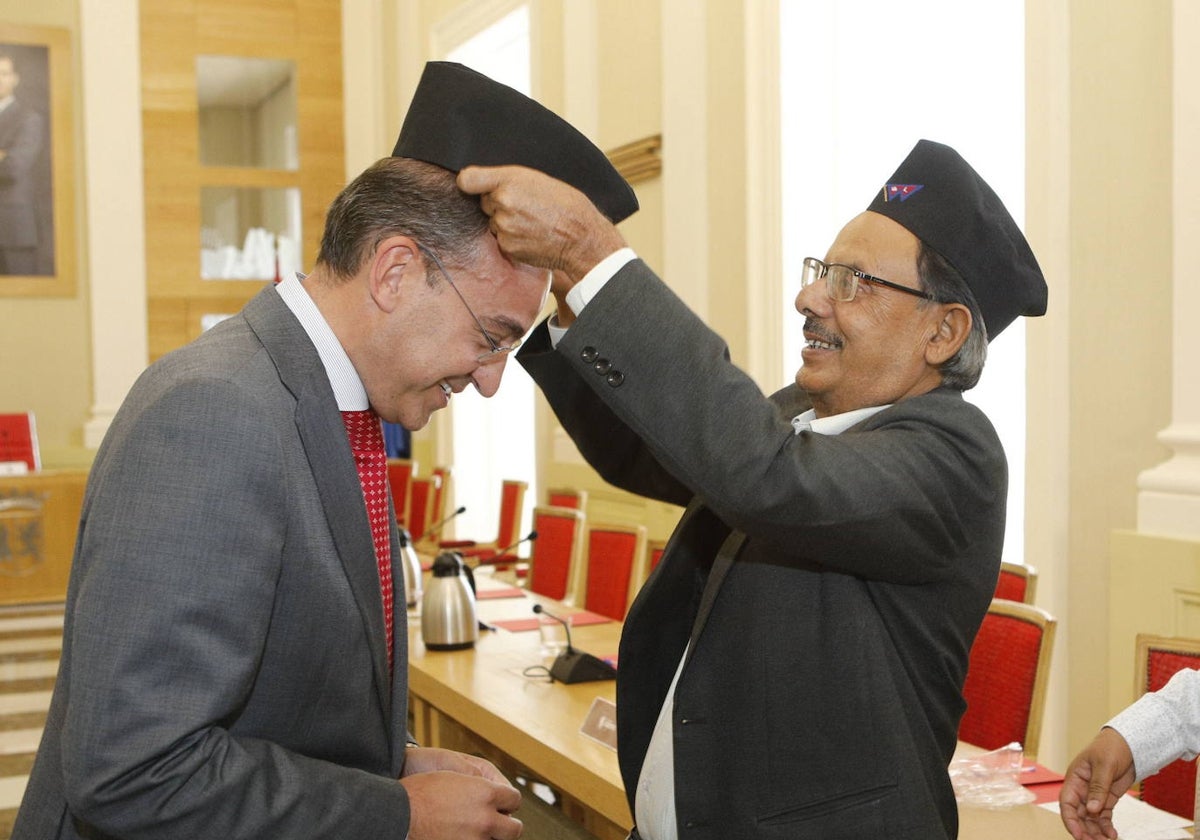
(21, 535)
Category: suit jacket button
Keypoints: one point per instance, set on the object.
(615, 379)
(602, 366)
(589, 354)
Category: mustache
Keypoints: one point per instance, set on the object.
(818, 331)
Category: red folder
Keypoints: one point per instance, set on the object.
(18, 440)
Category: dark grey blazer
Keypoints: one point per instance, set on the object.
(224, 670)
(822, 695)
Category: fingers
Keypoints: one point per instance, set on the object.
(448, 806)
(1093, 784)
(479, 180)
(541, 221)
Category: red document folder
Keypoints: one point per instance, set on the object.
(18, 440)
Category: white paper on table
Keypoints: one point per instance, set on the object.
(1135, 820)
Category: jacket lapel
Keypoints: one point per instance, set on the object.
(323, 436)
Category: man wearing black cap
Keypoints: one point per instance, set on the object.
(793, 667)
(233, 665)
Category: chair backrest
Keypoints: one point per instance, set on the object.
(512, 512)
(1017, 582)
(440, 495)
(656, 548)
(556, 558)
(421, 493)
(1006, 681)
(1158, 658)
(615, 563)
(566, 497)
(400, 473)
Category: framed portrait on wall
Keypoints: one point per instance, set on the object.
(37, 162)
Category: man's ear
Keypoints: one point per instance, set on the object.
(952, 330)
(393, 262)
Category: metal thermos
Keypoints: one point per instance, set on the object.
(448, 618)
(412, 569)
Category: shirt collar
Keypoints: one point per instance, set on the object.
(347, 386)
(834, 424)
(8, 100)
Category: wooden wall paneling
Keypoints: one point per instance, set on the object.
(174, 34)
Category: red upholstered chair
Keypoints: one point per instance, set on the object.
(512, 511)
(441, 494)
(1007, 676)
(420, 499)
(428, 499)
(400, 473)
(615, 568)
(567, 497)
(556, 560)
(1017, 582)
(656, 548)
(1172, 788)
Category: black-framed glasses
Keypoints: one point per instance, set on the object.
(841, 281)
(499, 351)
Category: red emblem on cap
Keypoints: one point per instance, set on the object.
(900, 191)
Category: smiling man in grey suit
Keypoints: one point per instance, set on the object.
(225, 668)
(793, 667)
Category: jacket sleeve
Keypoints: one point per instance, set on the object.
(878, 501)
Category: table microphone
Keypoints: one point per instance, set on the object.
(437, 526)
(575, 666)
(530, 537)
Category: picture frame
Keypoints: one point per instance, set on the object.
(37, 163)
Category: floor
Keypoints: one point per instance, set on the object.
(30, 641)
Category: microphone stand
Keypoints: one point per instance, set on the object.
(575, 666)
(501, 556)
(432, 530)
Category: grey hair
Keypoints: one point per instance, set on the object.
(400, 196)
(940, 279)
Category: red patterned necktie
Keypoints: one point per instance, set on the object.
(370, 457)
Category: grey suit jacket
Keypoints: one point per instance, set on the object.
(224, 670)
(822, 692)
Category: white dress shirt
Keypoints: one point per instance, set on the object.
(1163, 725)
(347, 386)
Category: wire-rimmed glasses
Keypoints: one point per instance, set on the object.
(841, 281)
(499, 351)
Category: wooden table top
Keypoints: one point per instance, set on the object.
(538, 722)
(531, 719)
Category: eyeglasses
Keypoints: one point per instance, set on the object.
(498, 352)
(841, 281)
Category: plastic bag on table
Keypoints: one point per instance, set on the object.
(991, 779)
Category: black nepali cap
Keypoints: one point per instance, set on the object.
(460, 118)
(942, 201)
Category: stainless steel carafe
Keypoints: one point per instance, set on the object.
(412, 569)
(448, 618)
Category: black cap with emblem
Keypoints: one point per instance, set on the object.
(942, 201)
(460, 117)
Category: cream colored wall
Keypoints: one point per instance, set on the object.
(45, 353)
(1100, 219)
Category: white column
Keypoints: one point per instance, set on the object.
(116, 246)
(1169, 497)
(685, 150)
(581, 65)
(764, 199)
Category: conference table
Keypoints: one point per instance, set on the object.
(495, 700)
